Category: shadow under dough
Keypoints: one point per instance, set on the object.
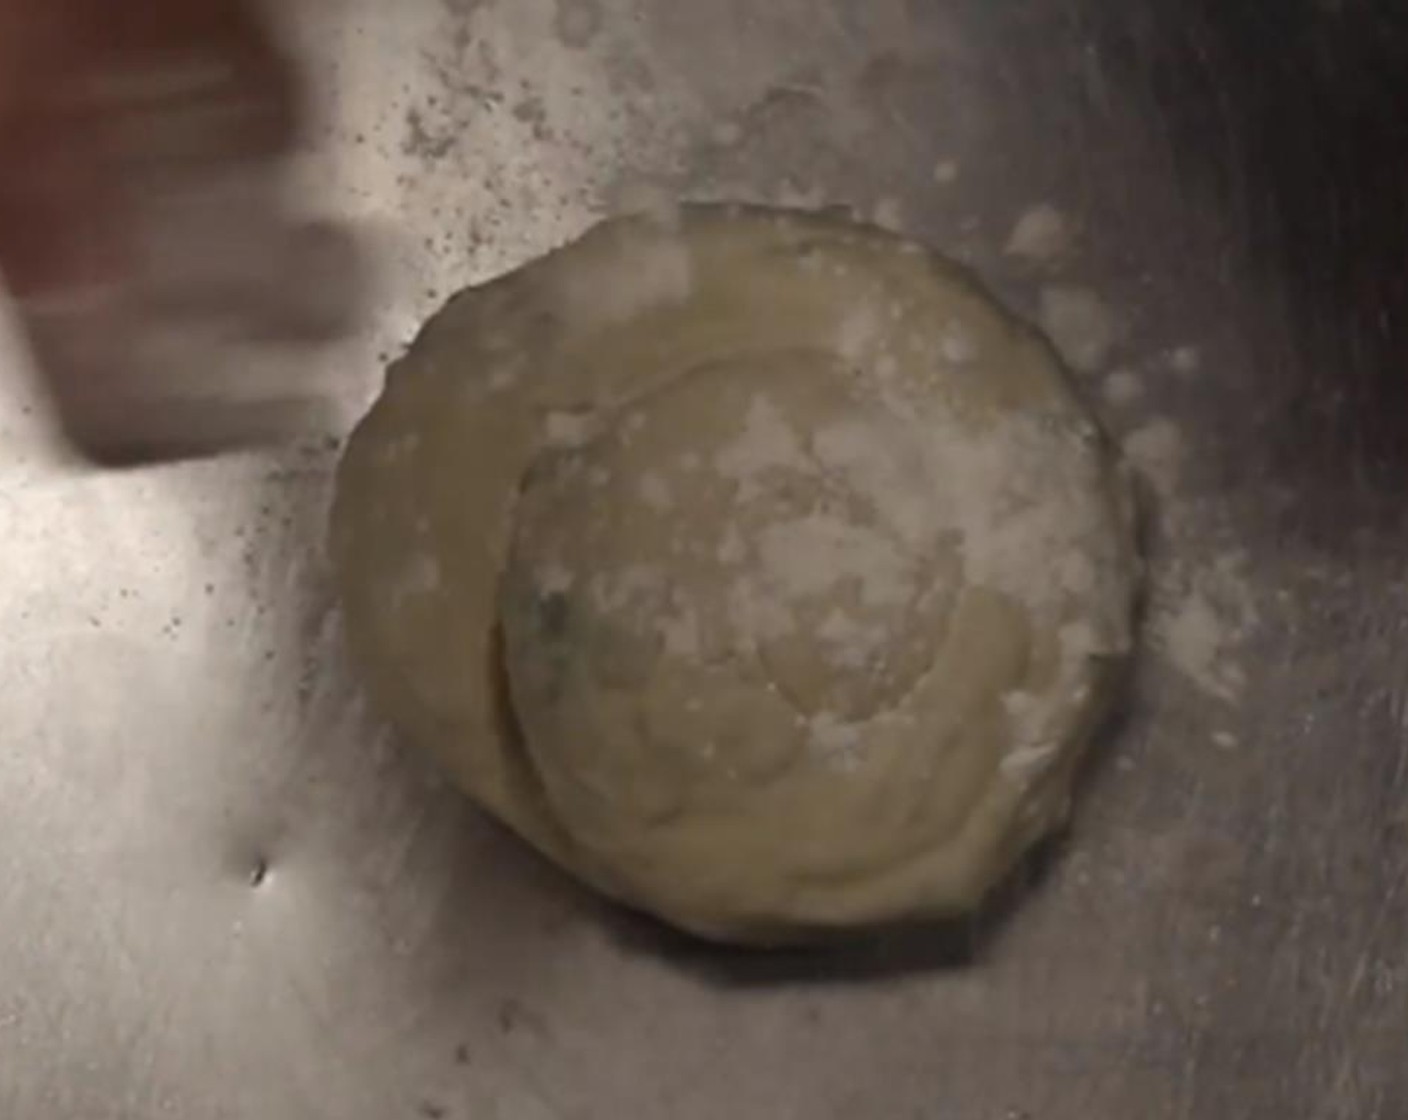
(873, 955)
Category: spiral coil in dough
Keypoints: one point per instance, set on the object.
(756, 567)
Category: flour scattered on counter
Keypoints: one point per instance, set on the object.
(1200, 622)
(1040, 235)
(861, 331)
(1156, 452)
(1122, 388)
(727, 134)
(946, 172)
(1080, 324)
(837, 740)
(1202, 611)
(1195, 638)
(766, 441)
(682, 635)
(1185, 359)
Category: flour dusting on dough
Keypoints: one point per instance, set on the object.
(850, 643)
(682, 634)
(655, 493)
(822, 585)
(1202, 610)
(567, 429)
(421, 576)
(767, 441)
(836, 740)
(809, 557)
(860, 331)
(627, 588)
(1024, 500)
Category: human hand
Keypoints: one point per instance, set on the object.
(144, 216)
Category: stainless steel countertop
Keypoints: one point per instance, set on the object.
(226, 892)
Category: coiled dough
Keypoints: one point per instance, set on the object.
(756, 567)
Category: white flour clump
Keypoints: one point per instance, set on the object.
(1041, 235)
(1202, 610)
(1202, 619)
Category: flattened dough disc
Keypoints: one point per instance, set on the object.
(758, 568)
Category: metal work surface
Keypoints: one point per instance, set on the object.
(226, 892)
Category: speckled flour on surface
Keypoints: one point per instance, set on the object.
(1202, 618)
(1041, 235)
(1202, 608)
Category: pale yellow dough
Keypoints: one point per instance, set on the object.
(754, 566)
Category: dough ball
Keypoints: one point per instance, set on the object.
(756, 567)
